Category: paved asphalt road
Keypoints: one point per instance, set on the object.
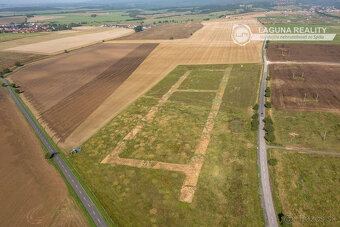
(72, 180)
(267, 198)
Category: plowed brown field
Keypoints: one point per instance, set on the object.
(177, 31)
(32, 193)
(304, 52)
(64, 90)
(306, 87)
(210, 45)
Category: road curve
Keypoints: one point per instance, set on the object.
(266, 193)
(72, 180)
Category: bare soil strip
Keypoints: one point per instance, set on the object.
(305, 150)
(71, 111)
(304, 63)
(191, 170)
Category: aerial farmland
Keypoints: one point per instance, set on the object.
(192, 114)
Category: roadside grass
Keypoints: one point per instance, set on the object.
(174, 133)
(227, 190)
(306, 188)
(307, 129)
(202, 80)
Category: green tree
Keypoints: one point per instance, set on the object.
(138, 28)
(17, 64)
(268, 105)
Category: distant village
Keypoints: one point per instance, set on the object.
(26, 28)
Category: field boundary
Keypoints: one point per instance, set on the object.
(193, 168)
(304, 150)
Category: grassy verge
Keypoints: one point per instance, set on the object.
(306, 188)
(312, 130)
(227, 190)
(71, 191)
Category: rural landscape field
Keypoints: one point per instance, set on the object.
(158, 113)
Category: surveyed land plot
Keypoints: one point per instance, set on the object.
(144, 172)
(193, 168)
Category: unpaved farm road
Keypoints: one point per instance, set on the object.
(304, 150)
(305, 63)
(72, 180)
(267, 198)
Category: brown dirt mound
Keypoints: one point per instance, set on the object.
(303, 52)
(71, 111)
(306, 87)
(177, 31)
(32, 192)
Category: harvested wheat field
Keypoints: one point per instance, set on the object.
(210, 45)
(176, 31)
(69, 43)
(32, 193)
(304, 52)
(306, 87)
(8, 59)
(64, 90)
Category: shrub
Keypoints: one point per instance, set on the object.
(270, 137)
(254, 125)
(66, 51)
(47, 156)
(268, 105)
(268, 120)
(3, 84)
(267, 94)
(268, 78)
(269, 128)
(255, 116)
(138, 28)
(17, 64)
(256, 107)
(6, 70)
(272, 162)
(17, 90)
(171, 38)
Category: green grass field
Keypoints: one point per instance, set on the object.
(13, 36)
(307, 129)
(306, 188)
(227, 190)
(330, 29)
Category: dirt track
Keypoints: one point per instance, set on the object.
(306, 87)
(32, 193)
(304, 52)
(210, 45)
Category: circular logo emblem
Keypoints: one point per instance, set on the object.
(241, 34)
